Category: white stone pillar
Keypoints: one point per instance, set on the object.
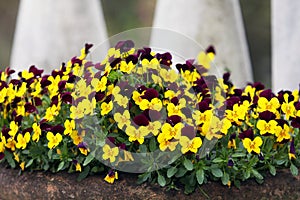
(49, 32)
(209, 22)
(285, 44)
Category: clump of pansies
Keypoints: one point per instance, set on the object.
(136, 111)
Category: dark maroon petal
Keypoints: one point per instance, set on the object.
(37, 101)
(36, 71)
(232, 136)
(152, 115)
(18, 119)
(99, 96)
(203, 106)
(9, 71)
(175, 101)
(188, 131)
(2, 156)
(54, 100)
(87, 48)
(61, 85)
(114, 61)
(231, 101)
(111, 141)
(247, 134)
(122, 146)
(210, 49)
(45, 126)
(150, 94)
(27, 130)
(141, 88)
(141, 120)
(45, 82)
(58, 129)
(29, 108)
(5, 132)
(258, 86)
(268, 94)
(267, 115)
(173, 120)
(67, 98)
(100, 67)
(75, 60)
(226, 76)
(296, 122)
(125, 45)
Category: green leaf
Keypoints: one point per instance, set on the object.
(88, 159)
(188, 164)
(238, 155)
(10, 160)
(143, 148)
(218, 160)
(61, 165)
(181, 172)
(217, 172)
(84, 173)
(257, 174)
(161, 180)
(29, 163)
(143, 177)
(294, 170)
(50, 152)
(272, 170)
(225, 179)
(171, 171)
(200, 176)
(152, 144)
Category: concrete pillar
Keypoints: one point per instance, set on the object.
(218, 23)
(285, 44)
(50, 32)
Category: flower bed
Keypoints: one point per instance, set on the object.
(133, 112)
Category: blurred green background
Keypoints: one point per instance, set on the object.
(125, 15)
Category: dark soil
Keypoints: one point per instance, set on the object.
(41, 185)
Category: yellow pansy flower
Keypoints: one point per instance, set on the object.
(2, 144)
(205, 59)
(168, 75)
(154, 104)
(111, 176)
(99, 85)
(264, 104)
(266, 127)
(106, 108)
(253, 145)
(27, 75)
(282, 133)
(121, 100)
(201, 118)
(54, 140)
(110, 153)
(153, 64)
(288, 108)
(122, 119)
(22, 140)
(69, 126)
(126, 67)
(22, 166)
(136, 134)
(3, 92)
(171, 132)
(13, 126)
(11, 144)
(52, 112)
(191, 145)
(164, 143)
(153, 127)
